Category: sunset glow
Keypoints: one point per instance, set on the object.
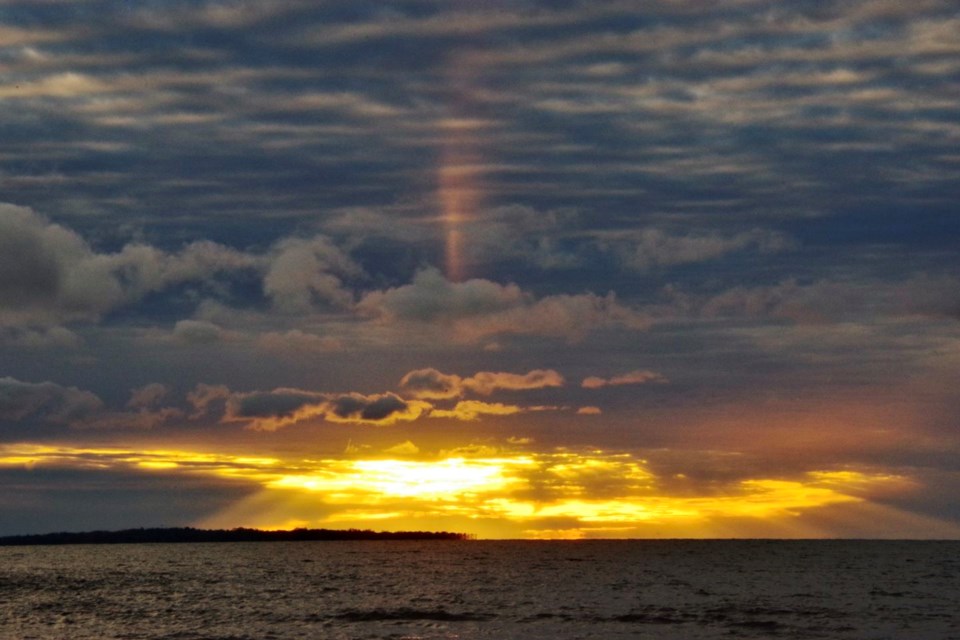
(521, 270)
(527, 494)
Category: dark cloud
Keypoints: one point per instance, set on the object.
(738, 104)
(431, 384)
(271, 410)
(45, 402)
(148, 395)
(367, 408)
(45, 500)
(477, 309)
(206, 397)
(46, 271)
(52, 275)
(280, 403)
(40, 338)
(30, 269)
(197, 331)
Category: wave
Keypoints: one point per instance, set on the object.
(379, 615)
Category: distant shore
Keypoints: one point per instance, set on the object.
(190, 534)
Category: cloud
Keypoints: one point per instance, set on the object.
(433, 298)
(144, 418)
(748, 174)
(649, 248)
(405, 448)
(513, 234)
(217, 15)
(50, 275)
(382, 409)
(42, 272)
(473, 409)
(40, 338)
(271, 410)
(823, 300)
(59, 85)
(148, 269)
(603, 493)
(543, 239)
(433, 385)
(14, 36)
(478, 309)
(46, 402)
(205, 397)
(298, 341)
(148, 395)
(197, 332)
(572, 317)
(305, 272)
(589, 411)
(50, 403)
(634, 377)
(467, 24)
(430, 384)
(486, 382)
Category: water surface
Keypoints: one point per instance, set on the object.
(483, 589)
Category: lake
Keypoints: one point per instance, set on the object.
(682, 589)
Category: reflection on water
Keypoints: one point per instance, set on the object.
(483, 589)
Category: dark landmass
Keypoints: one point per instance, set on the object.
(189, 534)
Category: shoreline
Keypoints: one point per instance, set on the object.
(193, 535)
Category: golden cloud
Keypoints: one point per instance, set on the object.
(634, 377)
(594, 493)
(431, 384)
(473, 409)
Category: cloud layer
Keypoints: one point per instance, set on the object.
(434, 385)
(684, 225)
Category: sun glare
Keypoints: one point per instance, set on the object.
(442, 479)
(448, 480)
(558, 494)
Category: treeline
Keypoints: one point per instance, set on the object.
(189, 534)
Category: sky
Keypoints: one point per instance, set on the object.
(521, 269)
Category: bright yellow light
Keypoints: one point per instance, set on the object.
(590, 511)
(555, 534)
(444, 479)
(450, 479)
(249, 468)
(157, 464)
(552, 494)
